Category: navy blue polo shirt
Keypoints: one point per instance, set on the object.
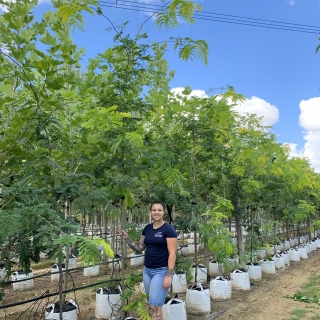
(157, 253)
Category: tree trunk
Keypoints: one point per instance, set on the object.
(240, 242)
(238, 222)
(308, 229)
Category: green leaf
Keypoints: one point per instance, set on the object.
(6, 88)
(135, 139)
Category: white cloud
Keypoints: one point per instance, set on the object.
(260, 107)
(194, 93)
(291, 2)
(309, 120)
(294, 151)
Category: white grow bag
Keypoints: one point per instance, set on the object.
(294, 255)
(310, 246)
(72, 262)
(137, 259)
(23, 285)
(91, 271)
(55, 272)
(192, 246)
(286, 245)
(202, 273)
(198, 299)
(174, 309)
(303, 252)
(278, 247)
(108, 303)
(278, 261)
(220, 288)
(69, 311)
(3, 272)
(115, 263)
(292, 242)
(267, 266)
(240, 280)
(184, 249)
(179, 282)
(214, 268)
(285, 257)
(254, 271)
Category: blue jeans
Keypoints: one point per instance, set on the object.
(153, 281)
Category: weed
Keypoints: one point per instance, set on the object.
(42, 265)
(309, 293)
(299, 313)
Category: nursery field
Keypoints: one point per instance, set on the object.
(267, 299)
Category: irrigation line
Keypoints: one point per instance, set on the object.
(47, 294)
(72, 269)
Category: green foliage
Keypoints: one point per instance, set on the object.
(71, 13)
(30, 229)
(139, 306)
(190, 49)
(74, 142)
(134, 231)
(184, 264)
(302, 298)
(168, 16)
(88, 252)
(215, 235)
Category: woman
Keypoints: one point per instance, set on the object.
(160, 241)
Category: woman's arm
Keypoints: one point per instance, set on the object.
(172, 248)
(135, 246)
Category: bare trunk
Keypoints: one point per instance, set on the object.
(240, 242)
(309, 229)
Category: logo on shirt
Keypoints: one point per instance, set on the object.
(159, 234)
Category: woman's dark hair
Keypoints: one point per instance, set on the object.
(157, 202)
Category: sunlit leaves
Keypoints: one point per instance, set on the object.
(171, 176)
(71, 13)
(169, 16)
(48, 39)
(191, 49)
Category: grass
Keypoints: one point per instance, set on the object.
(300, 313)
(310, 294)
(312, 287)
(42, 265)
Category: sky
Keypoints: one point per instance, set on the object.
(276, 69)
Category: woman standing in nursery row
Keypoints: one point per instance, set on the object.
(160, 241)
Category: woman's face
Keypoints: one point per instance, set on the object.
(157, 212)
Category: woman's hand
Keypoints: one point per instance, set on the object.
(167, 282)
(123, 234)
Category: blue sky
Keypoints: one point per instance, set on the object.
(277, 70)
